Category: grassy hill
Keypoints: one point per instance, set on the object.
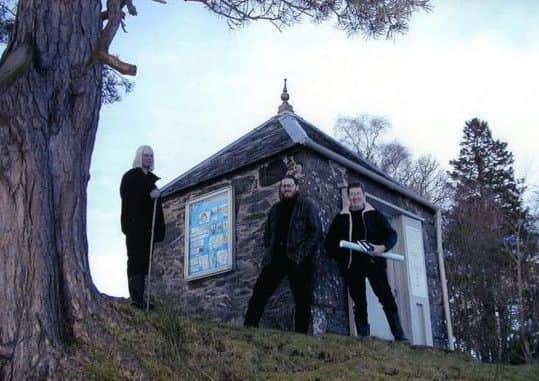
(163, 346)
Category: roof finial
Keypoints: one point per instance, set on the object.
(285, 106)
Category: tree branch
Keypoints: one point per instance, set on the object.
(115, 63)
(114, 16)
(130, 7)
(5, 352)
(14, 65)
(7, 9)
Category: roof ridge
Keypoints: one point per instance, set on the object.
(294, 129)
(290, 124)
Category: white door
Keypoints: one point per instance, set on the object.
(409, 281)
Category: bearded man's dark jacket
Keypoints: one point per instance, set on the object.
(304, 233)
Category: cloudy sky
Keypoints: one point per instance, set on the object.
(200, 86)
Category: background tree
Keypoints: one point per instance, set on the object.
(476, 294)
(7, 18)
(396, 160)
(362, 134)
(365, 134)
(430, 180)
(521, 246)
(485, 168)
(490, 245)
(524, 251)
(51, 77)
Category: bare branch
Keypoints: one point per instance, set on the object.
(130, 7)
(115, 63)
(14, 65)
(6, 9)
(114, 17)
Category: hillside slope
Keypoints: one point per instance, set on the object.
(163, 346)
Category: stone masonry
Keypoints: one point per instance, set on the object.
(224, 297)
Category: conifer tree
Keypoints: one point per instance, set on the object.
(484, 170)
(486, 229)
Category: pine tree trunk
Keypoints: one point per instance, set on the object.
(48, 122)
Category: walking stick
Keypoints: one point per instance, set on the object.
(151, 252)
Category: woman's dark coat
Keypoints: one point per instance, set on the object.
(136, 218)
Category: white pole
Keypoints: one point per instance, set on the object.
(151, 253)
(443, 280)
(359, 248)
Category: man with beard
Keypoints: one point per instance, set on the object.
(139, 193)
(292, 235)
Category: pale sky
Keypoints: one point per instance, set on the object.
(200, 86)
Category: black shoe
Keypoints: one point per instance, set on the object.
(395, 326)
(142, 306)
(363, 330)
(402, 339)
(248, 324)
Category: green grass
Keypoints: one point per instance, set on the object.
(164, 346)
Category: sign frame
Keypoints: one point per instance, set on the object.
(227, 193)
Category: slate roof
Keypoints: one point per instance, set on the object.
(264, 141)
(278, 134)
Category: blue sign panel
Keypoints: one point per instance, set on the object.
(209, 234)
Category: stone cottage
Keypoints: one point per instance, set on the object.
(215, 213)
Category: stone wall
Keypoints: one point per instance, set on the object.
(224, 297)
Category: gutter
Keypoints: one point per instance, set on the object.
(445, 297)
(364, 171)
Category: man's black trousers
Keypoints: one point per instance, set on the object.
(138, 259)
(375, 271)
(299, 276)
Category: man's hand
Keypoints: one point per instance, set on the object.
(378, 249)
(156, 193)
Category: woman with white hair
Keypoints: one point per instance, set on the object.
(138, 192)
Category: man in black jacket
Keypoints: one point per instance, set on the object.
(363, 222)
(292, 235)
(139, 192)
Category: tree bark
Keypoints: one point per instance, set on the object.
(48, 122)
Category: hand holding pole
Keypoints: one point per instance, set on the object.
(359, 248)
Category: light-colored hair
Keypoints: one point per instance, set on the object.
(137, 162)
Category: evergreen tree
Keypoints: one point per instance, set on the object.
(484, 170)
(486, 231)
